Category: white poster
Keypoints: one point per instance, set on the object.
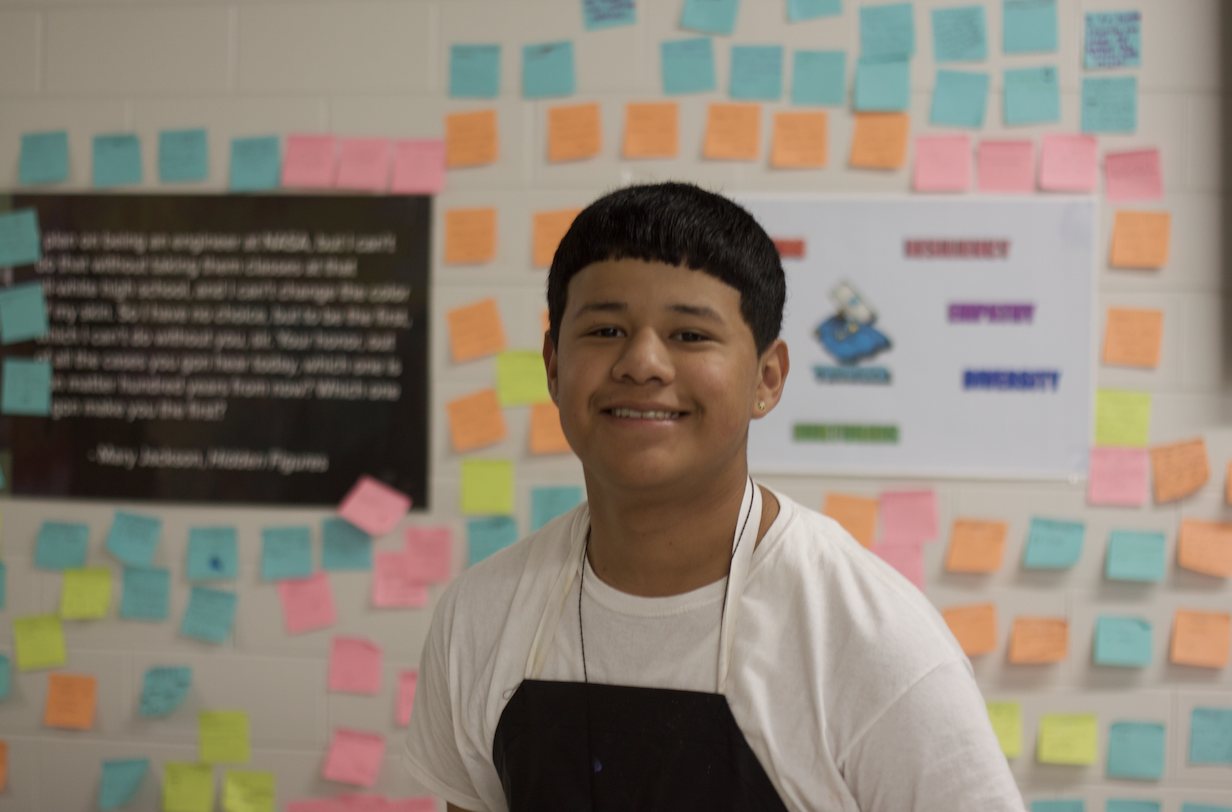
(932, 336)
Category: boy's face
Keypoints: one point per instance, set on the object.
(657, 374)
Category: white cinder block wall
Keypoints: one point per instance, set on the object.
(379, 68)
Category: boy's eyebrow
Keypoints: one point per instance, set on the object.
(698, 311)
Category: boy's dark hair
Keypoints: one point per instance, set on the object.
(677, 224)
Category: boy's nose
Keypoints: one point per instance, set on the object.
(644, 359)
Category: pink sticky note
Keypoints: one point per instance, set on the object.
(408, 679)
(421, 804)
(1069, 163)
(354, 665)
(907, 558)
(395, 585)
(362, 803)
(354, 757)
(908, 516)
(1007, 166)
(1133, 175)
(428, 550)
(313, 805)
(419, 167)
(309, 161)
(307, 603)
(373, 506)
(1118, 476)
(364, 164)
(942, 163)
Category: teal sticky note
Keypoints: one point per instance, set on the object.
(1032, 96)
(20, 241)
(1062, 805)
(882, 86)
(474, 71)
(44, 158)
(210, 615)
(212, 554)
(710, 16)
(286, 552)
(1113, 40)
(117, 161)
(1123, 805)
(147, 594)
(1135, 555)
(1188, 807)
(344, 546)
(120, 782)
(487, 536)
(1053, 544)
(547, 70)
(61, 546)
(6, 677)
(26, 388)
(1029, 26)
(164, 689)
(255, 164)
(887, 32)
(548, 503)
(1123, 641)
(133, 539)
(23, 313)
(959, 99)
(798, 10)
(688, 66)
(756, 72)
(1110, 105)
(1136, 750)
(1210, 736)
(183, 156)
(960, 34)
(601, 14)
(819, 77)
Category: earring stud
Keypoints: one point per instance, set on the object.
(761, 404)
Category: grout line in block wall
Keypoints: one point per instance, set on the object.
(233, 49)
(433, 55)
(40, 50)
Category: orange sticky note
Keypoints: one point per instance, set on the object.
(70, 701)
(550, 228)
(470, 236)
(470, 139)
(652, 130)
(1179, 469)
(975, 627)
(800, 141)
(1039, 640)
(857, 515)
(574, 132)
(880, 140)
(546, 435)
(4, 764)
(1140, 239)
(475, 421)
(976, 546)
(475, 330)
(1201, 638)
(733, 132)
(1205, 547)
(1132, 337)
(1227, 496)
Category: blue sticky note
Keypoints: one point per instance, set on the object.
(286, 552)
(1188, 807)
(474, 71)
(6, 677)
(1210, 736)
(1032, 96)
(710, 16)
(133, 539)
(688, 66)
(1110, 105)
(183, 156)
(26, 387)
(547, 70)
(120, 782)
(44, 158)
(1029, 26)
(887, 32)
(61, 546)
(1135, 555)
(1122, 805)
(1136, 750)
(1064, 805)
(489, 535)
(959, 34)
(1113, 40)
(147, 594)
(1123, 641)
(601, 14)
(210, 615)
(344, 546)
(819, 77)
(882, 86)
(117, 161)
(756, 72)
(798, 10)
(164, 689)
(1053, 544)
(20, 241)
(212, 554)
(548, 503)
(959, 99)
(255, 163)
(23, 313)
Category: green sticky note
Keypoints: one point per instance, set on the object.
(687, 66)
(1006, 718)
(21, 241)
(1032, 96)
(474, 71)
(6, 677)
(1053, 544)
(819, 77)
(120, 782)
(44, 158)
(1122, 641)
(1122, 418)
(39, 640)
(1029, 26)
(710, 16)
(602, 14)
(1136, 750)
(183, 156)
(255, 163)
(213, 554)
(959, 34)
(887, 31)
(247, 791)
(548, 503)
(882, 85)
(1110, 105)
(488, 535)
(85, 593)
(1063, 805)
(188, 788)
(147, 594)
(959, 99)
(756, 72)
(547, 70)
(23, 313)
(1135, 555)
(1068, 738)
(26, 387)
(1126, 805)
(224, 737)
(487, 487)
(117, 161)
(344, 546)
(798, 10)
(1210, 736)
(521, 378)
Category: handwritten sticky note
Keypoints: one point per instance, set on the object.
(798, 10)
(474, 71)
(487, 536)
(819, 77)
(4, 763)
(887, 31)
(547, 70)
(44, 158)
(23, 313)
(85, 593)
(882, 85)
(210, 615)
(1135, 555)
(364, 164)
(1122, 641)
(428, 552)
(6, 677)
(546, 434)
(147, 594)
(61, 546)
(574, 132)
(1053, 544)
(880, 140)
(733, 132)
(470, 236)
(20, 240)
(373, 506)
(801, 141)
(26, 388)
(133, 539)
(976, 546)
(1136, 750)
(419, 166)
(183, 156)
(756, 72)
(487, 487)
(856, 514)
(164, 689)
(188, 787)
(307, 603)
(1205, 547)
(1032, 96)
(71, 700)
(942, 163)
(475, 330)
(1006, 718)
(959, 34)
(475, 421)
(120, 781)
(116, 161)
(652, 130)
(1140, 239)
(1113, 40)
(1201, 638)
(256, 164)
(908, 516)
(1122, 419)
(1132, 338)
(1029, 26)
(959, 99)
(1068, 738)
(546, 503)
(248, 791)
(1179, 469)
(212, 554)
(1110, 105)
(354, 665)
(354, 757)
(521, 378)
(471, 139)
(1210, 736)
(1133, 175)
(39, 640)
(1117, 476)
(710, 16)
(395, 585)
(598, 15)
(1039, 640)
(1006, 166)
(286, 552)
(344, 546)
(408, 680)
(223, 737)
(310, 161)
(688, 66)
(905, 557)
(549, 229)
(975, 627)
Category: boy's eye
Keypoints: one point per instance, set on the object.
(689, 336)
(606, 332)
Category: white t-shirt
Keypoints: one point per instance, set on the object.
(846, 683)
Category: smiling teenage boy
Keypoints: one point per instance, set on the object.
(688, 639)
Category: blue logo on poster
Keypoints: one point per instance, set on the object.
(850, 337)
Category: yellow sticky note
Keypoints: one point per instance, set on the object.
(546, 434)
(800, 141)
(487, 487)
(1140, 239)
(470, 236)
(470, 139)
(880, 140)
(857, 515)
(475, 330)
(247, 791)
(475, 421)
(733, 132)
(574, 132)
(1122, 418)
(188, 788)
(40, 642)
(85, 594)
(521, 378)
(550, 228)
(1068, 738)
(224, 736)
(1006, 718)
(1132, 338)
(1179, 469)
(652, 130)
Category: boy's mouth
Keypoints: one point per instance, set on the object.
(650, 414)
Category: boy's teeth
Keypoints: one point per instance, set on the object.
(655, 415)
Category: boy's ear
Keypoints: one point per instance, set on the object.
(772, 375)
(549, 363)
